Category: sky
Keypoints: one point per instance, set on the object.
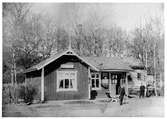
(125, 15)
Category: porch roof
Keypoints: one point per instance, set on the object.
(134, 63)
(109, 63)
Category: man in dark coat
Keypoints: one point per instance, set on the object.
(121, 93)
(142, 91)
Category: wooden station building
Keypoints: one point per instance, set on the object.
(68, 76)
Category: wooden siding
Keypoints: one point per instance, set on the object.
(51, 82)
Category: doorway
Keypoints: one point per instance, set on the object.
(115, 82)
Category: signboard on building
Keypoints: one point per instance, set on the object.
(67, 66)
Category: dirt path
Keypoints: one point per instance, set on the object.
(20, 110)
(148, 107)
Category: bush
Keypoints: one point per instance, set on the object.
(12, 94)
(27, 93)
(7, 94)
(21, 92)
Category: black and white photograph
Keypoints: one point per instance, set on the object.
(82, 59)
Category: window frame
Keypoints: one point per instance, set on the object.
(139, 76)
(59, 78)
(114, 79)
(95, 78)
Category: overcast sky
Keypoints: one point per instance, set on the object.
(126, 15)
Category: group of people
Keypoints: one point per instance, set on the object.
(145, 91)
(122, 93)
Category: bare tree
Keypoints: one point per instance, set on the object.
(117, 38)
(147, 46)
(14, 17)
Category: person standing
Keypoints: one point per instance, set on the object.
(121, 93)
(142, 91)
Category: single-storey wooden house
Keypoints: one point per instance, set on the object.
(68, 76)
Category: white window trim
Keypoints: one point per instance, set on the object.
(63, 89)
(96, 88)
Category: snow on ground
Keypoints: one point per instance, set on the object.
(147, 107)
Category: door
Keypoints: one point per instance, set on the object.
(112, 83)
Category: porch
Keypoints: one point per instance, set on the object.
(106, 84)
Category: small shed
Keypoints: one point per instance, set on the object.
(139, 73)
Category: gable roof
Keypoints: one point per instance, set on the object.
(55, 57)
(109, 63)
(96, 63)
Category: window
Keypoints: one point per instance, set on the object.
(105, 74)
(114, 79)
(95, 81)
(66, 80)
(129, 78)
(138, 76)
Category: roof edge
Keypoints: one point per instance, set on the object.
(63, 53)
(29, 70)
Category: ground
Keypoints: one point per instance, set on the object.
(147, 107)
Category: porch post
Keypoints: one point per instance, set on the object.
(109, 81)
(126, 82)
(42, 85)
(89, 83)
